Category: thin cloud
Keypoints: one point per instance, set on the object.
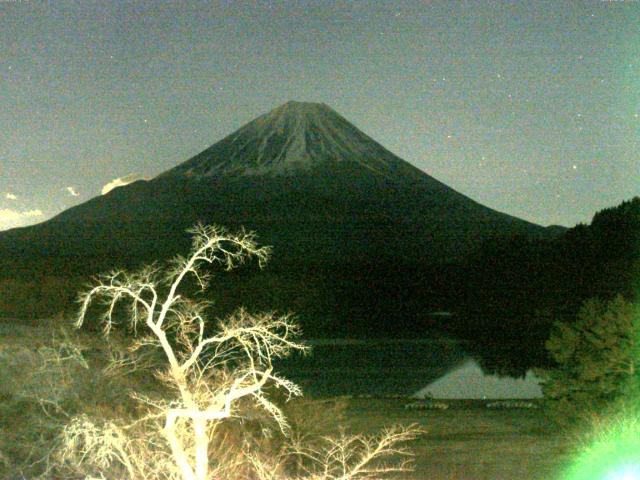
(10, 196)
(10, 218)
(72, 191)
(121, 182)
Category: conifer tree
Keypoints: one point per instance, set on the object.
(597, 360)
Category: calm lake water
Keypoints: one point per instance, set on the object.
(440, 365)
(394, 367)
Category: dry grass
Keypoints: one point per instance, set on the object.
(43, 383)
(470, 442)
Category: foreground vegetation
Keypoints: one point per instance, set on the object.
(467, 441)
(44, 386)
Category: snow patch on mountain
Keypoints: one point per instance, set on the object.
(295, 137)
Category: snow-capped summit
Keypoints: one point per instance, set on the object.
(294, 137)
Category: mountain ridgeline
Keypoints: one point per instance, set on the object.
(362, 240)
(305, 179)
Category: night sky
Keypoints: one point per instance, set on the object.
(530, 107)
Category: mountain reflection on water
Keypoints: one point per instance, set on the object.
(469, 381)
(393, 367)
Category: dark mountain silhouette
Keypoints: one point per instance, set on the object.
(303, 177)
(515, 289)
(352, 225)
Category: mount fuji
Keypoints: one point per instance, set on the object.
(303, 177)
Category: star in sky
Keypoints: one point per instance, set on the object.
(102, 89)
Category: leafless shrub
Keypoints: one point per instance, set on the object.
(345, 457)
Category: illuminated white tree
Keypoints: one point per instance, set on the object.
(212, 374)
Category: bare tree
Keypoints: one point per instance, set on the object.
(213, 376)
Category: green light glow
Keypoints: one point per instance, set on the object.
(614, 455)
(627, 472)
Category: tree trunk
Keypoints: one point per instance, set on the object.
(202, 448)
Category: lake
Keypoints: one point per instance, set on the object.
(398, 368)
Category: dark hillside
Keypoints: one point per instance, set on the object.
(516, 289)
